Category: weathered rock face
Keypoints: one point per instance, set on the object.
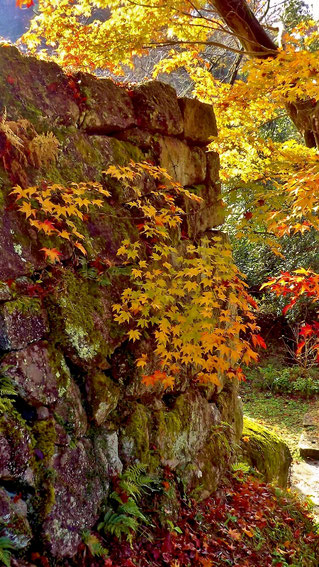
(81, 414)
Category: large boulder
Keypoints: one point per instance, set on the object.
(265, 451)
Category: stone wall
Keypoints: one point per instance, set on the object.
(81, 413)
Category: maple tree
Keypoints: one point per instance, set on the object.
(278, 179)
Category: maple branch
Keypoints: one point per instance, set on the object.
(236, 68)
(198, 15)
(206, 43)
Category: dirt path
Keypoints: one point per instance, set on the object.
(305, 479)
(305, 473)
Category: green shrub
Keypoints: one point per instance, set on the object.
(290, 380)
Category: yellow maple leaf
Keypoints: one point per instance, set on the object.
(27, 209)
(134, 334)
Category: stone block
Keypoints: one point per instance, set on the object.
(35, 375)
(106, 448)
(213, 166)
(15, 450)
(13, 520)
(22, 322)
(157, 109)
(186, 165)
(108, 107)
(309, 444)
(78, 493)
(69, 410)
(103, 396)
(206, 214)
(36, 90)
(141, 138)
(199, 121)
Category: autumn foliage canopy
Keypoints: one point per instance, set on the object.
(273, 183)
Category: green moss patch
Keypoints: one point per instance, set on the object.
(265, 451)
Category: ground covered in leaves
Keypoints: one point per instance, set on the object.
(249, 524)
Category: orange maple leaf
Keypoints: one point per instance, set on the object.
(51, 254)
(157, 376)
(80, 247)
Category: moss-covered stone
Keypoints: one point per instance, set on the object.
(136, 439)
(229, 405)
(265, 451)
(44, 434)
(82, 315)
(103, 396)
(184, 430)
(37, 90)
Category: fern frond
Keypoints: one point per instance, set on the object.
(135, 481)
(130, 507)
(6, 546)
(6, 387)
(7, 391)
(118, 525)
(94, 544)
(131, 488)
(134, 472)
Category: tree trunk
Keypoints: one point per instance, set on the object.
(255, 40)
(241, 20)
